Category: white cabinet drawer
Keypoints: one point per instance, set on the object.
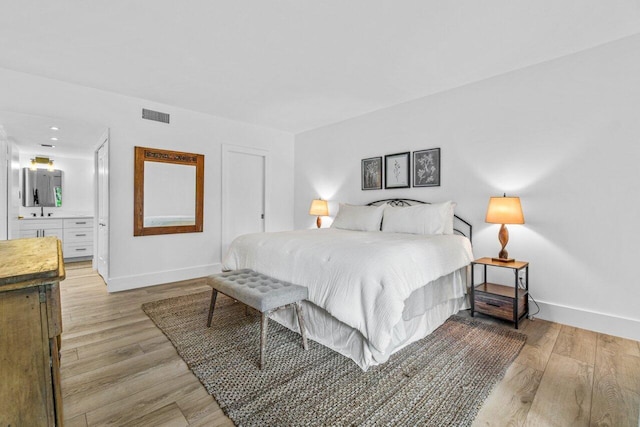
(39, 224)
(77, 249)
(78, 235)
(78, 223)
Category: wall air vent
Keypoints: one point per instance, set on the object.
(155, 115)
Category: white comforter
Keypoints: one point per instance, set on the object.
(360, 278)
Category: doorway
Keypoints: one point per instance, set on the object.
(70, 146)
(244, 192)
(102, 210)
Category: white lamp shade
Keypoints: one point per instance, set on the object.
(504, 210)
(319, 208)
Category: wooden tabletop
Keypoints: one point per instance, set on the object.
(513, 264)
(30, 262)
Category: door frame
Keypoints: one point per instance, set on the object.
(14, 192)
(227, 149)
(104, 141)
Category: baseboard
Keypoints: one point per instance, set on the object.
(600, 322)
(123, 283)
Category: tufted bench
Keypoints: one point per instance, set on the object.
(261, 292)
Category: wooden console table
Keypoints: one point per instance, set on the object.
(30, 329)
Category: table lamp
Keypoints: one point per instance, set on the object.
(504, 210)
(319, 208)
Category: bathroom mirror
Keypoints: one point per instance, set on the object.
(168, 192)
(41, 188)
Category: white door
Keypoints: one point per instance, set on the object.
(102, 235)
(243, 192)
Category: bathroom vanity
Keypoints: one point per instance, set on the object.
(75, 232)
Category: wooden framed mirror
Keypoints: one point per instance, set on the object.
(168, 192)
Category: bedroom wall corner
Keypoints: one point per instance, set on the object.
(562, 135)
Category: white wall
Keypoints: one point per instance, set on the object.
(4, 153)
(563, 135)
(77, 185)
(147, 260)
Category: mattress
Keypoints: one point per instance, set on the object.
(420, 317)
(367, 281)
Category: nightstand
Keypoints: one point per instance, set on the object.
(504, 302)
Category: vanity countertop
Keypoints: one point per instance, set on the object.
(63, 216)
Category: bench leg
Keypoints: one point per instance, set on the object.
(263, 339)
(214, 295)
(298, 308)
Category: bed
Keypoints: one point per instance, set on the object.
(383, 276)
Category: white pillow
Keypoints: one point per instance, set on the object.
(358, 218)
(436, 218)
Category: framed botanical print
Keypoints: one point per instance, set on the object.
(397, 170)
(426, 168)
(372, 173)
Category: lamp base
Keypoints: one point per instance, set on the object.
(503, 237)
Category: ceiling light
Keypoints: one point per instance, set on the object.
(53, 138)
(54, 128)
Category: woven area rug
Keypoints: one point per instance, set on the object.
(441, 380)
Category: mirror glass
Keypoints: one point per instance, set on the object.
(168, 192)
(41, 188)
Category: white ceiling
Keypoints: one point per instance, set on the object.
(29, 132)
(296, 65)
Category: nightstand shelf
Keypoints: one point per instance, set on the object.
(504, 302)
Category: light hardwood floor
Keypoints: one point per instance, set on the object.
(119, 369)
